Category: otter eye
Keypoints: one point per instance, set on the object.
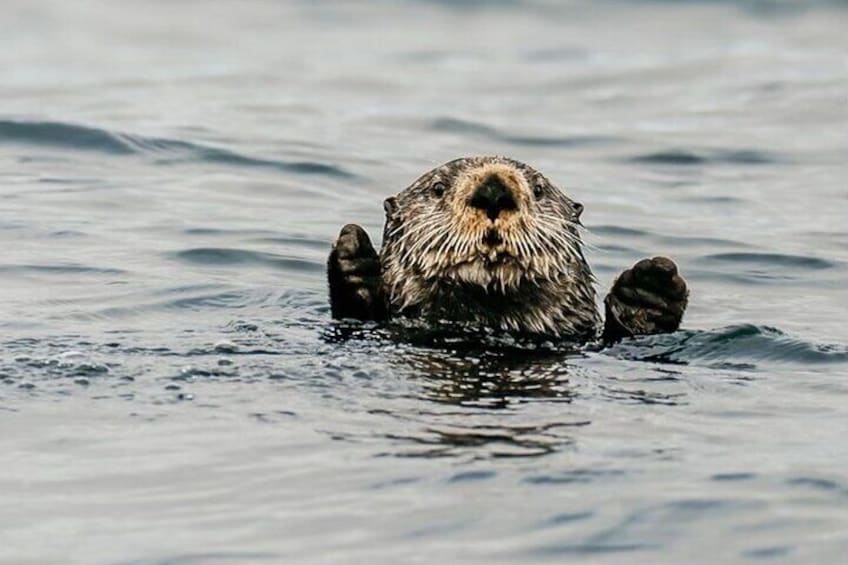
(538, 190)
(439, 189)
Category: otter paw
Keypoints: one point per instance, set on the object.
(353, 272)
(648, 298)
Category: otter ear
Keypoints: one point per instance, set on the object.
(390, 206)
(578, 211)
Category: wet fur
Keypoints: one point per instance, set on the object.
(436, 263)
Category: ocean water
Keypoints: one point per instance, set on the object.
(173, 391)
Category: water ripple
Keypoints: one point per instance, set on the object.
(452, 125)
(166, 151)
(690, 157)
(742, 343)
(206, 558)
(70, 268)
(222, 256)
(766, 268)
(771, 260)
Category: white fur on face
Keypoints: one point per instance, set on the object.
(434, 242)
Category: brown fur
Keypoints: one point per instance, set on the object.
(524, 271)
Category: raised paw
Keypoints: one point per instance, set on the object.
(353, 272)
(648, 298)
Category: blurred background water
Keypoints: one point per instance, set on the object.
(172, 389)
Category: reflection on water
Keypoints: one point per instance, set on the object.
(491, 381)
(479, 382)
(484, 442)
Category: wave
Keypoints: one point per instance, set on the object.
(739, 346)
(708, 157)
(166, 151)
(452, 125)
(223, 256)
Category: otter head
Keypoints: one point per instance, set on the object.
(486, 239)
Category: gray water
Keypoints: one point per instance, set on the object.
(172, 389)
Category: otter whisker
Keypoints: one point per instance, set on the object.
(567, 241)
(559, 243)
(444, 249)
(528, 274)
(394, 232)
(424, 242)
(523, 249)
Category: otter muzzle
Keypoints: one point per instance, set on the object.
(493, 198)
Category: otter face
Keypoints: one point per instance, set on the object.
(490, 222)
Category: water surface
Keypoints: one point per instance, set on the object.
(172, 389)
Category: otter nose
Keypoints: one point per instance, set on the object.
(493, 197)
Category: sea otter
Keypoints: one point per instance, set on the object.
(492, 242)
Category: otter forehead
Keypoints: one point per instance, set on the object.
(466, 173)
(504, 176)
(466, 164)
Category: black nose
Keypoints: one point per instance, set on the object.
(493, 197)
